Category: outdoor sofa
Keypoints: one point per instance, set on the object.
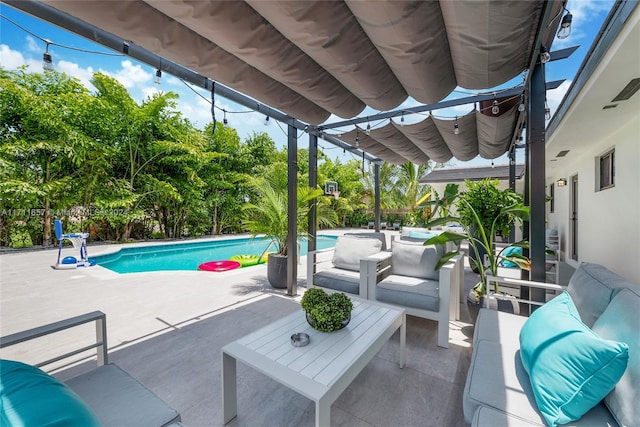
(555, 365)
(105, 396)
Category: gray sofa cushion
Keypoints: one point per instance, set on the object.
(415, 260)
(498, 326)
(621, 322)
(339, 280)
(119, 400)
(409, 291)
(349, 250)
(592, 287)
(372, 235)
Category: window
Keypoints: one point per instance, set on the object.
(606, 171)
(551, 198)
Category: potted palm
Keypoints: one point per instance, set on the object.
(482, 211)
(268, 218)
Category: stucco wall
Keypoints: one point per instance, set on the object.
(608, 220)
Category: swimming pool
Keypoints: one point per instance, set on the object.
(187, 256)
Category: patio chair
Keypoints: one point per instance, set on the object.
(396, 225)
(383, 225)
(108, 395)
(372, 224)
(406, 277)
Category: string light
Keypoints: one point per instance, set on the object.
(521, 106)
(357, 139)
(495, 109)
(224, 118)
(266, 120)
(544, 55)
(565, 27)
(368, 128)
(47, 62)
(158, 79)
(402, 120)
(547, 111)
(456, 128)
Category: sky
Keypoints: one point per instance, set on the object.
(25, 46)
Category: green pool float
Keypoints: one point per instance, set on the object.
(248, 260)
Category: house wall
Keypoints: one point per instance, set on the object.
(608, 220)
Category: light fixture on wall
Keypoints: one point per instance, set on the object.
(562, 182)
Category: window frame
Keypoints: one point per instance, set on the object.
(608, 160)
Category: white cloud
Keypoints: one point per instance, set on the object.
(35, 46)
(10, 59)
(131, 75)
(74, 70)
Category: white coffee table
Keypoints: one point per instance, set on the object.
(324, 368)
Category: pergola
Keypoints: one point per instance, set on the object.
(301, 61)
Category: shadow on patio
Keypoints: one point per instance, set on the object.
(183, 367)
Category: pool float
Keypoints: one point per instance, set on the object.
(219, 265)
(248, 260)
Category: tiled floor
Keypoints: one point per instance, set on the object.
(167, 328)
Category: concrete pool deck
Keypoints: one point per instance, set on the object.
(167, 328)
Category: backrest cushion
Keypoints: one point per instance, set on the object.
(415, 260)
(592, 287)
(421, 235)
(621, 322)
(571, 369)
(30, 397)
(349, 250)
(377, 235)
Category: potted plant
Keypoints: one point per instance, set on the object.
(482, 211)
(326, 313)
(268, 218)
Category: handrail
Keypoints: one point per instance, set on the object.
(265, 251)
(101, 336)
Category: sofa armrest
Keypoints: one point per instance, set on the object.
(100, 345)
(450, 283)
(524, 283)
(314, 258)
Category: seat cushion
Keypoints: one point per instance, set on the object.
(349, 250)
(409, 291)
(31, 397)
(621, 322)
(119, 400)
(571, 369)
(592, 287)
(415, 260)
(498, 326)
(338, 280)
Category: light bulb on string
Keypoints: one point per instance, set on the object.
(158, 79)
(495, 109)
(565, 26)
(547, 111)
(47, 61)
(544, 55)
(521, 106)
(368, 128)
(266, 120)
(357, 139)
(402, 120)
(224, 118)
(456, 128)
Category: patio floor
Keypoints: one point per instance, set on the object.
(167, 328)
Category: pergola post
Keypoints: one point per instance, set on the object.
(292, 211)
(313, 183)
(536, 134)
(376, 185)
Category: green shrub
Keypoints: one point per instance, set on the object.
(326, 312)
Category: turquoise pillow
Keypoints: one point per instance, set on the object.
(30, 397)
(571, 369)
(420, 235)
(510, 250)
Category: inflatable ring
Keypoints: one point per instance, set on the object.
(219, 265)
(248, 260)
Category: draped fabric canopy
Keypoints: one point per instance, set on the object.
(311, 59)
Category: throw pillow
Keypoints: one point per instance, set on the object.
(510, 250)
(349, 250)
(571, 369)
(30, 397)
(621, 322)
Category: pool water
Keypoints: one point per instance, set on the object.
(187, 256)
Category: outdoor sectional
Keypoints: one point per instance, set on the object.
(575, 348)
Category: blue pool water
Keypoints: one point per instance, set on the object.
(187, 256)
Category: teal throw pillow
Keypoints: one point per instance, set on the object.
(30, 397)
(510, 250)
(571, 369)
(420, 235)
